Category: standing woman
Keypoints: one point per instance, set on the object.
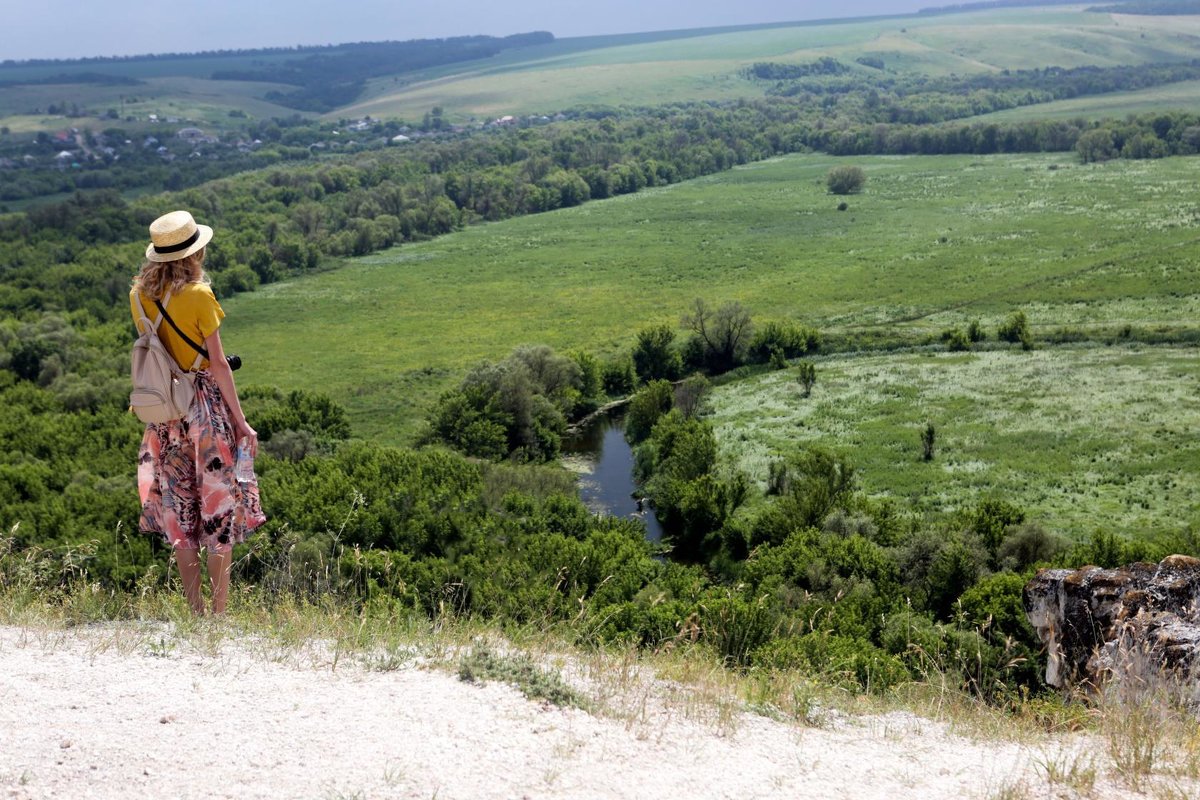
(190, 494)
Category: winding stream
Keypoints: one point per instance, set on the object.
(605, 463)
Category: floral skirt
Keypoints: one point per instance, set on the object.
(186, 478)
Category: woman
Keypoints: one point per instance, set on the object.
(186, 479)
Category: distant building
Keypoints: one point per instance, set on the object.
(400, 138)
(195, 136)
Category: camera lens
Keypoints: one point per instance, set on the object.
(235, 362)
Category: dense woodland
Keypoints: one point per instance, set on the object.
(474, 521)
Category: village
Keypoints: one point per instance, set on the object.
(80, 157)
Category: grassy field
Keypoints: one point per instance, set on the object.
(189, 98)
(932, 242)
(708, 67)
(1082, 437)
(1181, 95)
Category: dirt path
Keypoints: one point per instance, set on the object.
(132, 711)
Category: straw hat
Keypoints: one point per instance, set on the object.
(176, 235)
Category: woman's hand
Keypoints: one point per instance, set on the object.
(242, 430)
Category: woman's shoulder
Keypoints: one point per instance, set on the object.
(197, 290)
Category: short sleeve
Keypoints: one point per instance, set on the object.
(209, 314)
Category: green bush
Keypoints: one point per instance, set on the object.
(1016, 330)
(846, 179)
(790, 339)
(846, 662)
(647, 406)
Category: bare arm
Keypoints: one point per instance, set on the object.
(223, 375)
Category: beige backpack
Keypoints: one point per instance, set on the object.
(161, 390)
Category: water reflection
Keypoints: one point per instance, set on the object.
(605, 462)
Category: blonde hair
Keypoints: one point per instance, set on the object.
(159, 277)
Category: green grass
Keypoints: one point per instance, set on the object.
(932, 242)
(1084, 438)
(189, 98)
(1182, 95)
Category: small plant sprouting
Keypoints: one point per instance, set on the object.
(484, 664)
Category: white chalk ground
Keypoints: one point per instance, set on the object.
(130, 711)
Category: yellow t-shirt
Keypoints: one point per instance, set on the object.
(195, 310)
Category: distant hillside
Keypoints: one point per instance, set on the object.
(327, 80)
(1152, 7)
(992, 4)
(326, 77)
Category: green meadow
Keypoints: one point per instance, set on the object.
(1084, 438)
(190, 98)
(1181, 95)
(932, 242)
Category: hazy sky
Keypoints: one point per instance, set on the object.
(91, 28)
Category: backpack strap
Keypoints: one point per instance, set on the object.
(201, 353)
(152, 326)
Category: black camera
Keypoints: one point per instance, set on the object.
(235, 362)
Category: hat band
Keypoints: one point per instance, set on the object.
(175, 248)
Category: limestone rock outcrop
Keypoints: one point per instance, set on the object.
(1095, 622)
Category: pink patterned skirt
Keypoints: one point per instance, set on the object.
(186, 478)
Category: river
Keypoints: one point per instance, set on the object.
(605, 462)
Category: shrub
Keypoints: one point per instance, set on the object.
(845, 179)
(806, 376)
(848, 662)
(1027, 545)
(1016, 329)
(787, 337)
(928, 441)
(619, 377)
(956, 340)
(736, 627)
(690, 394)
(975, 332)
(647, 406)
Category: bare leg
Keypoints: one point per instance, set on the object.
(189, 572)
(218, 575)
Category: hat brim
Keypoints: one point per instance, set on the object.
(206, 234)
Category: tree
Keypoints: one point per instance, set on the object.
(845, 179)
(723, 334)
(1095, 145)
(653, 356)
(690, 394)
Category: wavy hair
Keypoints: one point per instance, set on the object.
(158, 277)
